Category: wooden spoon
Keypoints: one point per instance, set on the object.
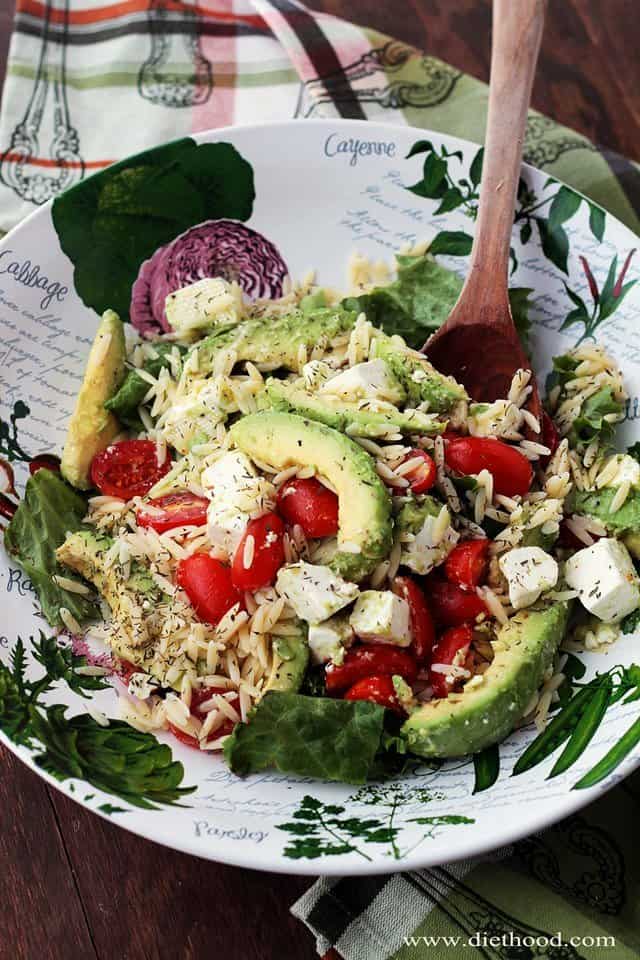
(478, 344)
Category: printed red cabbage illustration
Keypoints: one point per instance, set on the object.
(215, 248)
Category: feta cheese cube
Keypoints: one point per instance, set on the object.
(371, 380)
(528, 571)
(431, 544)
(315, 592)
(237, 495)
(328, 640)
(379, 616)
(605, 579)
(204, 304)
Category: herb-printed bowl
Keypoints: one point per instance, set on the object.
(322, 189)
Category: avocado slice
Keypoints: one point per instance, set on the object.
(286, 440)
(274, 342)
(291, 656)
(486, 714)
(423, 383)
(347, 417)
(92, 428)
(597, 504)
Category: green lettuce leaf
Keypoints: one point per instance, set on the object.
(591, 421)
(111, 222)
(322, 738)
(49, 510)
(421, 299)
(415, 304)
(124, 404)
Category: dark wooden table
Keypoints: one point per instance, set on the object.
(74, 886)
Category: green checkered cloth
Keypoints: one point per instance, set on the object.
(154, 70)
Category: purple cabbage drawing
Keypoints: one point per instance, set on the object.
(215, 248)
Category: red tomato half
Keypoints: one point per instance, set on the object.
(207, 583)
(451, 605)
(199, 696)
(467, 563)
(454, 641)
(127, 469)
(510, 469)
(422, 628)
(368, 660)
(423, 477)
(174, 510)
(376, 689)
(267, 555)
(311, 504)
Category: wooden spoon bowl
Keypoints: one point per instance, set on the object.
(479, 344)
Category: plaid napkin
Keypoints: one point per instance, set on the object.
(91, 81)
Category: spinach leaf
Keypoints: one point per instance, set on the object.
(124, 404)
(49, 510)
(110, 223)
(322, 738)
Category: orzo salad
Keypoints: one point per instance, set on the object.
(279, 517)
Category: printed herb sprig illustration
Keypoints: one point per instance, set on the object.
(605, 301)
(9, 444)
(577, 721)
(115, 758)
(437, 182)
(328, 830)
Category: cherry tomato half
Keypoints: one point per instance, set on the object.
(377, 689)
(128, 469)
(453, 645)
(311, 504)
(368, 660)
(510, 469)
(266, 557)
(180, 509)
(198, 697)
(422, 628)
(451, 605)
(207, 583)
(467, 563)
(423, 476)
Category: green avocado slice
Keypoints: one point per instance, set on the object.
(291, 656)
(422, 382)
(486, 714)
(597, 504)
(91, 427)
(347, 417)
(365, 524)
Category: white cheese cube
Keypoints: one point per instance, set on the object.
(204, 304)
(371, 381)
(237, 495)
(605, 579)
(379, 616)
(431, 544)
(315, 592)
(529, 571)
(328, 640)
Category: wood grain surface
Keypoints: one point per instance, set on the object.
(75, 887)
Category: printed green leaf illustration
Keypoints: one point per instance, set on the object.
(456, 243)
(487, 768)
(322, 829)
(113, 757)
(631, 622)
(577, 721)
(612, 759)
(110, 223)
(605, 301)
(49, 510)
(438, 182)
(596, 221)
(9, 444)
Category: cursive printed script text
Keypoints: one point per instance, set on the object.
(354, 148)
(29, 275)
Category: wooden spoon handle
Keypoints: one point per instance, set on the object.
(517, 31)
